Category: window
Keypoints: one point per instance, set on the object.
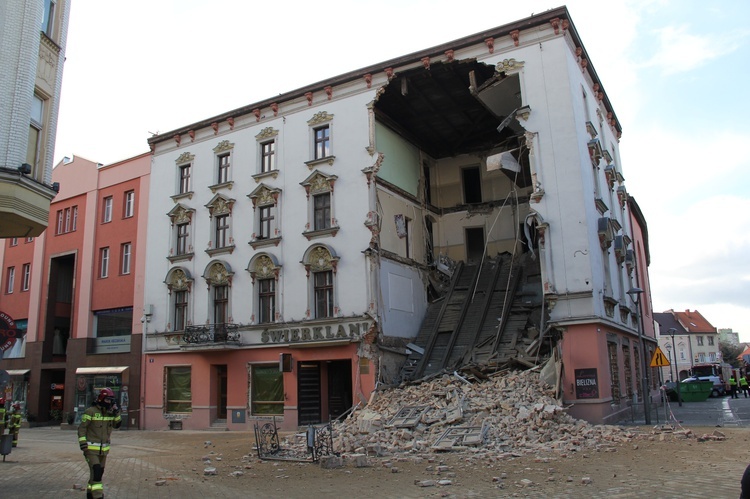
(184, 179)
(125, 252)
(223, 168)
(221, 239)
(472, 183)
(59, 222)
(710, 340)
(26, 277)
(266, 222)
(68, 220)
(323, 294)
(699, 340)
(113, 322)
(268, 156)
(221, 304)
(180, 310)
(103, 262)
(107, 210)
(322, 211)
(266, 300)
(10, 280)
(267, 390)
(701, 357)
(14, 241)
(36, 126)
(74, 222)
(322, 142)
(48, 18)
(182, 238)
(129, 204)
(179, 395)
(29, 239)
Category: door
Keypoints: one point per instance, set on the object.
(339, 387)
(308, 393)
(474, 244)
(221, 392)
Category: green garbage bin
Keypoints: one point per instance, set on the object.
(696, 391)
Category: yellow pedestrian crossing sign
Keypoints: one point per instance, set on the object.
(659, 359)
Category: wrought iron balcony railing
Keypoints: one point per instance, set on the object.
(211, 334)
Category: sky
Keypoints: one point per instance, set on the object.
(675, 71)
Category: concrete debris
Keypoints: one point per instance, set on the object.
(160, 483)
(517, 411)
(210, 471)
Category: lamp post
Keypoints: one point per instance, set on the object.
(669, 357)
(635, 294)
(671, 331)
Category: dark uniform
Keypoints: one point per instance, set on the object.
(2, 415)
(94, 431)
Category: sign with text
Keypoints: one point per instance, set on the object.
(9, 334)
(587, 384)
(344, 330)
(112, 344)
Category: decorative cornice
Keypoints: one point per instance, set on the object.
(224, 145)
(321, 117)
(267, 133)
(185, 157)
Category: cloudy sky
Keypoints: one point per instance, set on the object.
(676, 72)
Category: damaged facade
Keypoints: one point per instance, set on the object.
(462, 206)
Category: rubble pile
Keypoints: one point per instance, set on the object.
(509, 414)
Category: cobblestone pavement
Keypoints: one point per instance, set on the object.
(48, 464)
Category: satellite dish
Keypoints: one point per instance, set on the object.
(4, 379)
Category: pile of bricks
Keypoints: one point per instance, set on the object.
(509, 414)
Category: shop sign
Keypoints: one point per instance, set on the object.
(587, 384)
(9, 334)
(353, 331)
(112, 344)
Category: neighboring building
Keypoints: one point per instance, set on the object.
(298, 244)
(696, 341)
(726, 335)
(74, 306)
(33, 35)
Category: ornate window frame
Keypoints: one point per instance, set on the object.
(218, 273)
(178, 216)
(320, 120)
(179, 279)
(218, 207)
(265, 196)
(184, 160)
(267, 135)
(319, 183)
(320, 258)
(223, 149)
(265, 266)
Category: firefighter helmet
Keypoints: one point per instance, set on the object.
(106, 397)
(2, 400)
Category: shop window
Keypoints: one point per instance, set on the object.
(179, 395)
(267, 392)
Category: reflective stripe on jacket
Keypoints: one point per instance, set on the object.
(96, 427)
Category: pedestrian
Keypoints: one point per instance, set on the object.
(2, 415)
(94, 432)
(14, 422)
(733, 386)
(744, 385)
(745, 484)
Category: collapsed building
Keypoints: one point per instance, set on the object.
(460, 207)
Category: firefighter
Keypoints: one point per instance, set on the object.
(2, 415)
(93, 437)
(14, 422)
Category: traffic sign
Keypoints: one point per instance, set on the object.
(659, 359)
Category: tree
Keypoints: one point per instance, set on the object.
(729, 353)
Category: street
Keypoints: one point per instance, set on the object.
(166, 464)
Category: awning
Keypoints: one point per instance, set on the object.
(101, 370)
(17, 372)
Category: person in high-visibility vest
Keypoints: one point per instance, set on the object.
(14, 423)
(744, 385)
(94, 432)
(2, 415)
(733, 387)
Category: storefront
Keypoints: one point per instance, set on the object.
(17, 389)
(91, 380)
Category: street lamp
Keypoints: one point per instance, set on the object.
(635, 294)
(669, 357)
(671, 331)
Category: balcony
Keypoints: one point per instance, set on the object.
(24, 204)
(211, 336)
